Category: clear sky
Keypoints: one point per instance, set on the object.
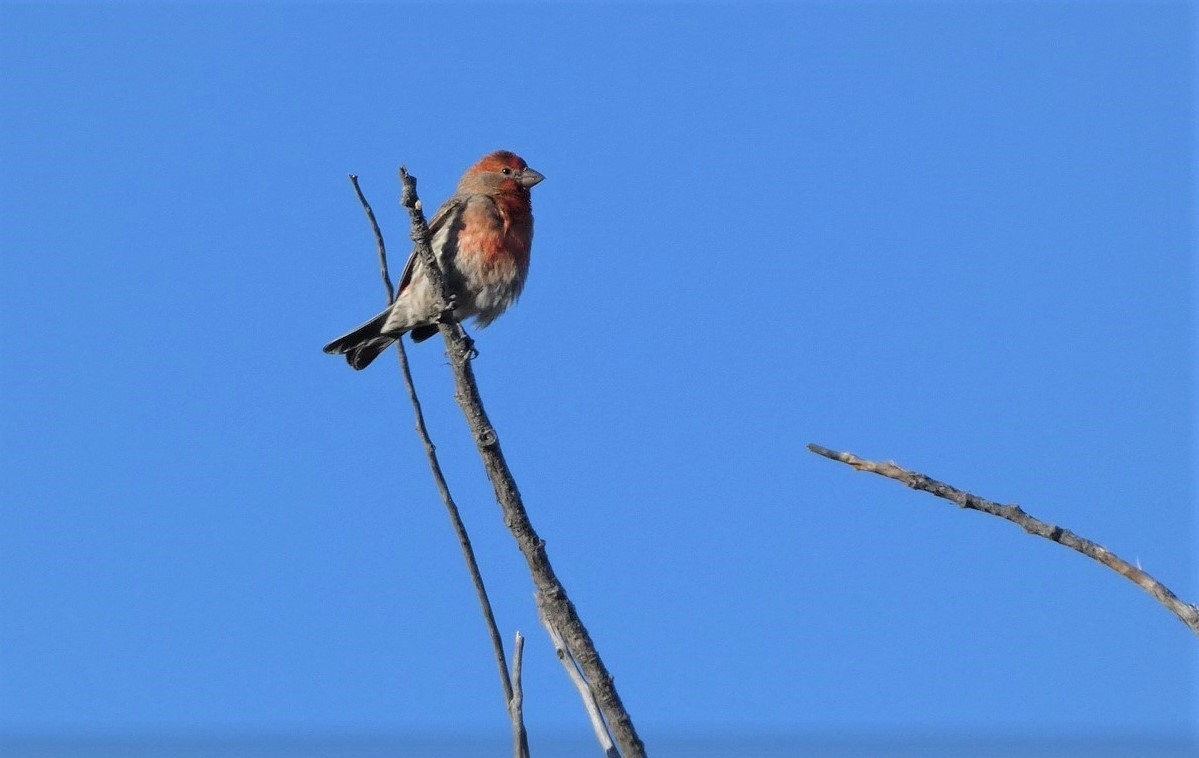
(959, 236)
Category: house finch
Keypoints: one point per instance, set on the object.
(481, 237)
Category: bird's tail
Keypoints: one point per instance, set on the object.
(365, 343)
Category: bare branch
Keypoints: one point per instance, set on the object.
(1188, 613)
(585, 692)
(520, 740)
(468, 552)
(552, 597)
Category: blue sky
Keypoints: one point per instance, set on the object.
(956, 236)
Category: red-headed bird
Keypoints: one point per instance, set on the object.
(481, 237)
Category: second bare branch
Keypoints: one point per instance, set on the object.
(1186, 612)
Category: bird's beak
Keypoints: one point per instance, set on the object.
(530, 177)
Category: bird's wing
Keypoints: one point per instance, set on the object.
(447, 211)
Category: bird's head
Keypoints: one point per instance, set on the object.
(501, 172)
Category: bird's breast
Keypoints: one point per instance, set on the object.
(495, 239)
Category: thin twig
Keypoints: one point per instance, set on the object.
(552, 597)
(451, 507)
(1189, 614)
(602, 734)
(370, 215)
(520, 740)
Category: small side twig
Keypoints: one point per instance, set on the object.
(468, 552)
(520, 740)
(1187, 613)
(572, 670)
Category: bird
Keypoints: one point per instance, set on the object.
(482, 237)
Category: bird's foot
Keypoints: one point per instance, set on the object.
(447, 314)
(468, 343)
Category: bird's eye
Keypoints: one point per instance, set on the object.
(505, 171)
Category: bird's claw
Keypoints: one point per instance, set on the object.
(468, 345)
